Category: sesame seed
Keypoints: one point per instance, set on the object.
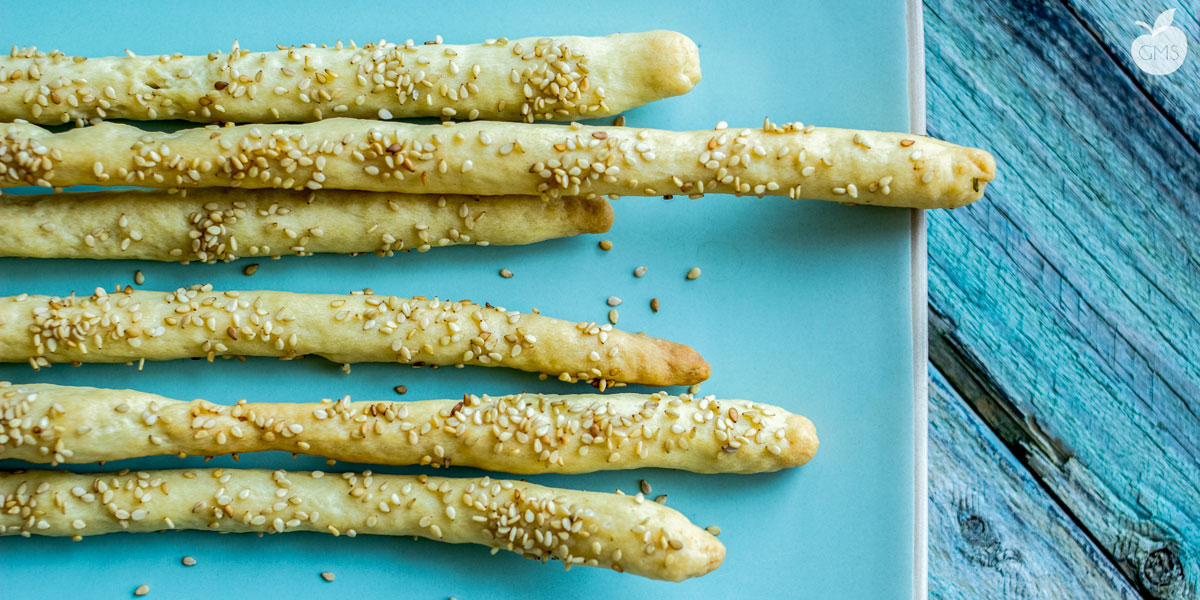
(385, 114)
(644, 486)
(614, 301)
(188, 561)
(654, 304)
(138, 277)
(141, 590)
(612, 316)
(693, 273)
(639, 272)
(661, 499)
(250, 270)
(328, 576)
(400, 389)
(605, 245)
(505, 273)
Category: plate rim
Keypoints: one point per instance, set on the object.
(920, 316)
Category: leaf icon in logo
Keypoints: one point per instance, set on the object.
(1164, 20)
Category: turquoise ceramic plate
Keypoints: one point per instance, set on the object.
(802, 304)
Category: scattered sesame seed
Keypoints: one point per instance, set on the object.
(645, 486)
(605, 245)
(250, 269)
(400, 389)
(188, 561)
(654, 304)
(505, 273)
(693, 273)
(612, 316)
(661, 499)
(640, 271)
(138, 277)
(713, 529)
(328, 576)
(141, 590)
(614, 301)
(619, 121)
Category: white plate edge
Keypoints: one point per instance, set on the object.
(920, 316)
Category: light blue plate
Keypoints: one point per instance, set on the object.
(801, 304)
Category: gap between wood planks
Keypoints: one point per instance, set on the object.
(961, 372)
(1100, 41)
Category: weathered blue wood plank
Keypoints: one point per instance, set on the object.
(1178, 94)
(993, 531)
(1067, 299)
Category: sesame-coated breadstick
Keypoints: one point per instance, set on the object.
(892, 169)
(199, 322)
(221, 224)
(623, 533)
(489, 158)
(548, 78)
(522, 433)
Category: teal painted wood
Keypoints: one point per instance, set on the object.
(1178, 94)
(993, 531)
(1064, 303)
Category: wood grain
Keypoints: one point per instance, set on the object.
(1065, 302)
(993, 531)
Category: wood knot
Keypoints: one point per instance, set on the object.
(1162, 568)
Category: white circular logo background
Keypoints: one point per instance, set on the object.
(1162, 49)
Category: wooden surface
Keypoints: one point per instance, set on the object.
(1064, 337)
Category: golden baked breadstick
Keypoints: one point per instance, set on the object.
(221, 224)
(523, 433)
(623, 533)
(198, 322)
(550, 78)
(489, 158)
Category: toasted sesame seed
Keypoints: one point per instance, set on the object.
(141, 590)
(605, 245)
(505, 273)
(661, 499)
(188, 561)
(644, 486)
(250, 269)
(328, 576)
(640, 271)
(619, 121)
(693, 273)
(713, 529)
(400, 389)
(654, 304)
(612, 316)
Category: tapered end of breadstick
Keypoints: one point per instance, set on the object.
(595, 215)
(802, 440)
(687, 367)
(676, 63)
(700, 555)
(978, 167)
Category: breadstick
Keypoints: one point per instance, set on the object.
(549, 78)
(522, 433)
(624, 533)
(199, 322)
(222, 224)
(489, 158)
